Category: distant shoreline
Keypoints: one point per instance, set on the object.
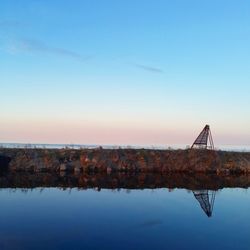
(234, 148)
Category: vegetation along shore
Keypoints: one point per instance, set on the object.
(109, 161)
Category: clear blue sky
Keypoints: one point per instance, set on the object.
(124, 72)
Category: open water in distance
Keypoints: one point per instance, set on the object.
(239, 148)
(53, 218)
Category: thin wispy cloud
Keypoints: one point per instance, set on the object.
(149, 68)
(36, 46)
(9, 24)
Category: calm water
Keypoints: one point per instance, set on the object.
(240, 148)
(53, 218)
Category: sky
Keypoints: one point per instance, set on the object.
(132, 72)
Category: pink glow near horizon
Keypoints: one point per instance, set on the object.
(114, 134)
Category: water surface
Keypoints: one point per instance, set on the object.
(236, 148)
(53, 218)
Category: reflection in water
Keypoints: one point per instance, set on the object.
(123, 180)
(72, 218)
(206, 199)
(203, 185)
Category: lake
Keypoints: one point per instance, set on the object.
(236, 148)
(74, 218)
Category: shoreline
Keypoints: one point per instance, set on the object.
(13, 145)
(101, 160)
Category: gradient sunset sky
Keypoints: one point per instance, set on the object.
(133, 72)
